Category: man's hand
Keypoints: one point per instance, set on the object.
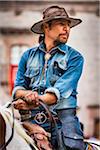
(32, 98)
(20, 104)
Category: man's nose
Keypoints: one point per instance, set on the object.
(66, 28)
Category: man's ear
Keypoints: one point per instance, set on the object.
(45, 26)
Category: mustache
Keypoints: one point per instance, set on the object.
(64, 34)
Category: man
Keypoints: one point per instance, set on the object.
(50, 72)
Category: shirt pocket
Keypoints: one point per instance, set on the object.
(59, 68)
(32, 74)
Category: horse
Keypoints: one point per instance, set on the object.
(13, 136)
(20, 139)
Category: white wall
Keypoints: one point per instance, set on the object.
(85, 38)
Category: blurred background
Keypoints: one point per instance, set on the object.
(16, 18)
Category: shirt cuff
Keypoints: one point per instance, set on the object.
(54, 91)
(15, 89)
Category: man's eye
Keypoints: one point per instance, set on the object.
(68, 24)
(65, 24)
(62, 24)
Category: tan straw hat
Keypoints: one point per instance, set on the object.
(51, 13)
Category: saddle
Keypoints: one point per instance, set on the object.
(39, 135)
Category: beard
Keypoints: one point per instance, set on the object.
(61, 40)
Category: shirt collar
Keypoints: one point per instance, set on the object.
(61, 48)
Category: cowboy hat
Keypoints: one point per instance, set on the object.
(52, 13)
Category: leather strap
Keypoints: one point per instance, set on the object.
(52, 119)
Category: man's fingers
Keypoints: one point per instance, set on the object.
(32, 98)
(20, 104)
(36, 98)
(36, 95)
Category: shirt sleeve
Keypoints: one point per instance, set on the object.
(67, 83)
(21, 82)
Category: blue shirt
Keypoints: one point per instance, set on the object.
(59, 75)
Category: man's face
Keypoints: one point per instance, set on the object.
(58, 31)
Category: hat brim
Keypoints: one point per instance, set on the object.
(37, 27)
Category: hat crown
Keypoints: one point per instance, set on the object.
(54, 11)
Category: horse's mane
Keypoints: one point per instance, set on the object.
(8, 118)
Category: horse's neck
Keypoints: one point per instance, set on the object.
(17, 142)
(19, 139)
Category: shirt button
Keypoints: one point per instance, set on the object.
(75, 137)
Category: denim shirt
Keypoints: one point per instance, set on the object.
(58, 75)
